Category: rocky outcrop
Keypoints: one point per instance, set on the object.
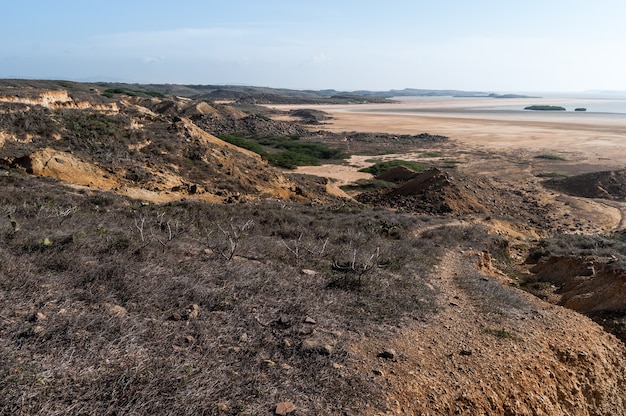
(584, 284)
(57, 100)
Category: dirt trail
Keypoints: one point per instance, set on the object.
(475, 358)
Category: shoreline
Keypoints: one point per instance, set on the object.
(597, 137)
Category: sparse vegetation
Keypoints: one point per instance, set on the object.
(549, 157)
(502, 334)
(97, 275)
(382, 167)
(551, 175)
(282, 291)
(111, 92)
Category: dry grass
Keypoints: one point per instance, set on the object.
(97, 291)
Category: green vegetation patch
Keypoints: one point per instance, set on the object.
(364, 185)
(110, 93)
(382, 167)
(240, 141)
(285, 151)
(545, 108)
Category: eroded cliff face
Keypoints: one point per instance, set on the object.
(55, 100)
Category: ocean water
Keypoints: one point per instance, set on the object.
(608, 103)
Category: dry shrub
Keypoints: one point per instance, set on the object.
(96, 291)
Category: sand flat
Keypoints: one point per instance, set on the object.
(600, 137)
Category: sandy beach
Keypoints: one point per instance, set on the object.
(595, 138)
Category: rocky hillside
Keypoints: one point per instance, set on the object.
(149, 267)
(158, 149)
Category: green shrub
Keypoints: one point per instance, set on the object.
(285, 152)
(290, 159)
(240, 141)
(382, 167)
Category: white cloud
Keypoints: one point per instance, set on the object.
(152, 59)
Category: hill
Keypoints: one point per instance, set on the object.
(149, 267)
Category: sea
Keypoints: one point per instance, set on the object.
(593, 102)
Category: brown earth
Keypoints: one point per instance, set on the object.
(499, 171)
(491, 349)
(516, 360)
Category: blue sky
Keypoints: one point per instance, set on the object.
(530, 45)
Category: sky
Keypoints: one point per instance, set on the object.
(347, 45)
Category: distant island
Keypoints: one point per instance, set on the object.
(510, 96)
(493, 95)
(580, 109)
(544, 108)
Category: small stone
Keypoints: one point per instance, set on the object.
(378, 372)
(337, 366)
(285, 366)
(466, 352)
(316, 346)
(38, 329)
(284, 408)
(39, 316)
(287, 343)
(388, 354)
(222, 407)
(269, 363)
(192, 312)
(309, 272)
(116, 310)
(243, 337)
(190, 339)
(176, 316)
(309, 320)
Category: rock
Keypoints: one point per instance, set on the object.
(222, 407)
(388, 354)
(115, 310)
(284, 408)
(191, 312)
(378, 372)
(309, 320)
(243, 337)
(309, 272)
(316, 346)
